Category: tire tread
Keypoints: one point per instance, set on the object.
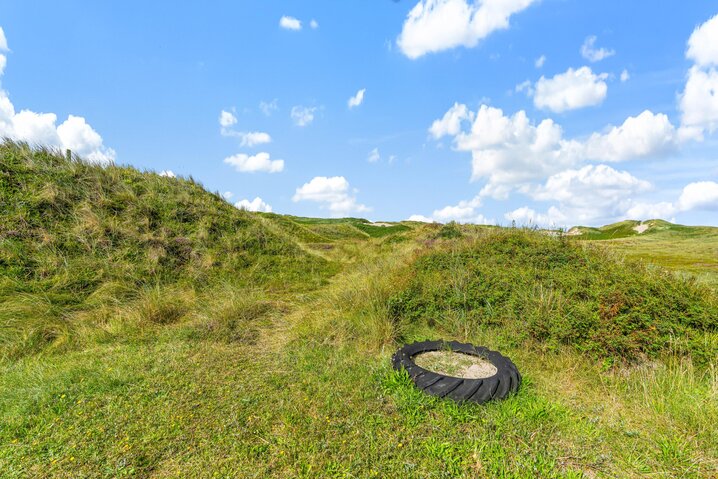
(506, 381)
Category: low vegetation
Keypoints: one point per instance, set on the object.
(555, 292)
(691, 251)
(79, 240)
(150, 329)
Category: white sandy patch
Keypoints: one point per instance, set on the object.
(458, 365)
(382, 224)
(641, 228)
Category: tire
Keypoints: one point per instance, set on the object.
(506, 380)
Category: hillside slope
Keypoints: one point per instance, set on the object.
(686, 249)
(632, 228)
(75, 237)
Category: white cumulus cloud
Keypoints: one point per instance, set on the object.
(599, 194)
(587, 186)
(227, 119)
(450, 123)
(420, 219)
(38, 128)
(525, 86)
(464, 211)
(374, 156)
(258, 163)
(302, 115)
(168, 174)
(510, 152)
(290, 23)
(625, 76)
(333, 193)
(700, 195)
(641, 136)
(703, 43)
(77, 135)
(73, 134)
(357, 99)
(252, 138)
(314, 24)
(648, 211)
(593, 54)
(256, 204)
(526, 216)
(41, 128)
(594, 193)
(699, 101)
(3, 41)
(540, 61)
(267, 107)
(570, 90)
(436, 25)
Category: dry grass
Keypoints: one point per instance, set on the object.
(458, 365)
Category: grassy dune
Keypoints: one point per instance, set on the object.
(685, 249)
(262, 350)
(81, 242)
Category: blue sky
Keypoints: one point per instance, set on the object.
(462, 118)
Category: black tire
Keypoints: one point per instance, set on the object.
(506, 380)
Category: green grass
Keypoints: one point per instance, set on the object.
(77, 241)
(556, 292)
(266, 354)
(621, 229)
(685, 249)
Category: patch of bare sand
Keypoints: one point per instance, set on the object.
(458, 365)
(641, 228)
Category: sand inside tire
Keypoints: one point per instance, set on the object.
(458, 365)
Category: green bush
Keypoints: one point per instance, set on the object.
(449, 231)
(556, 292)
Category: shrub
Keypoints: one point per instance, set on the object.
(449, 231)
(557, 292)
